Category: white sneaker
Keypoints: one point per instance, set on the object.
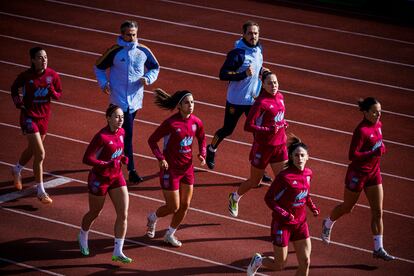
(171, 239)
(151, 227)
(254, 265)
(326, 233)
(233, 206)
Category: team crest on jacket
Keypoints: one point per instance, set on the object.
(308, 179)
(49, 80)
(121, 138)
(194, 127)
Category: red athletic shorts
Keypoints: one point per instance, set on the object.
(262, 155)
(100, 185)
(170, 179)
(282, 233)
(31, 125)
(355, 180)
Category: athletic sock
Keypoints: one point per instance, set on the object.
(18, 168)
(40, 189)
(152, 216)
(171, 231)
(378, 242)
(83, 238)
(236, 196)
(119, 244)
(329, 223)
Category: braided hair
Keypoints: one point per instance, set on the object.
(167, 101)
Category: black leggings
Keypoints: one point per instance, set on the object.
(232, 115)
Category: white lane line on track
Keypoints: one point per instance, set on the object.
(230, 33)
(196, 210)
(30, 267)
(196, 49)
(214, 172)
(25, 192)
(222, 107)
(211, 136)
(205, 76)
(126, 240)
(290, 22)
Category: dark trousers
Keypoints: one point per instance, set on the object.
(128, 126)
(232, 115)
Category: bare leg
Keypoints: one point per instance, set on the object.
(350, 199)
(254, 179)
(120, 200)
(96, 204)
(279, 260)
(303, 251)
(172, 203)
(186, 194)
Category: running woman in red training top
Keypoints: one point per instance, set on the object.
(364, 173)
(39, 85)
(287, 197)
(266, 120)
(176, 159)
(105, 155)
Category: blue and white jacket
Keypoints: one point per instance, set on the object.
(128, 62)
(242, 89)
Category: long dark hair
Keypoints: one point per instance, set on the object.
(292, 144)
(167, 101)
(111, 109)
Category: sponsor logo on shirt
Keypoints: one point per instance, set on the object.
(41, 92)
(178, 130)
(294, 182)
(186, 142)
(110, 142)
(271, 106)
(117, 153)
(299, 197)
(279, 116)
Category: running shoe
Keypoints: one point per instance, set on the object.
(382, 254)
(17, 179)
(326, 233)
(122, 259)
(266, 178)
(44, 198)
(151, 227)
(254, 265)
(171, 239)
(233, 206)
(133, 177)
(210, 157)
(83, 250)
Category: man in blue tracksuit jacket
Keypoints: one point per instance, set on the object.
(242, 68)
(131, 66)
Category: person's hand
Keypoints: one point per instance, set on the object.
(143, 81)
(202, 160)
(163, 165)
(291, 217)
(275, 128)
(124, 159)
(107, 89)
(316, 212)
(250, 71)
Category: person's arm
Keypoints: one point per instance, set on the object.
(17, 100)
(156, 136)
(201, 137)
(355, 153)
(103, 63)
(234, 60)
(309, 202)
(55, 90)
(89, 158)
(274, 194)
(250, 124)
(152, 66)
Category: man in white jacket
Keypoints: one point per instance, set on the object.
(131, 66)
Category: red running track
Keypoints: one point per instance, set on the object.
(322, 73)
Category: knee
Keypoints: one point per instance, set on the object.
(184, 206)
(94, 213)
(305, 262)
(347, 209)
(172, 209)
(39, 156)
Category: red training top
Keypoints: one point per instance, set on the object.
(288, 195)
(178, 134)
(266, 119)
(37, 92)
(366, 147)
